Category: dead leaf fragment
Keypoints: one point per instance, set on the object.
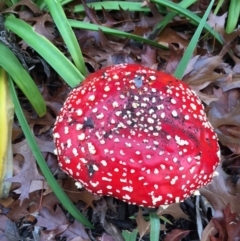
(176, 235)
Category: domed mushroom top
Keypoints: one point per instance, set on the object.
(137, 134)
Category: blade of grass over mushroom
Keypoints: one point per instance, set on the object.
(233, 16)
(110, 31)
(111, 5)
(63, 198)
(6, 120)
(192, 45)
(47, 50)
(130, 236)
(154, 227)
(23, 80)
(67, 34)
(188, 14)
(168, 18)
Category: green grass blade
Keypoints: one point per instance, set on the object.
(233, 16)
(46, 49)
(219, 5)
(111, 5)
(110, 31)
(154, 227)
(130, 236)
(23, 80)
(192, 45)
(168, 18)
(63, 198)
(67, 34)
(188, 14)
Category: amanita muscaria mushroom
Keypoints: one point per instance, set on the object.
(137, 134)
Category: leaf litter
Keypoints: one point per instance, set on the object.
(32, 212)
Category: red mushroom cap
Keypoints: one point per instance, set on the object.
(137, 134)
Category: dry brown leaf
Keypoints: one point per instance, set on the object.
(230, 82)
(217, 22)
(209, 230)
(217, 193)
(203, 71)
(143, 226)
(106, 237)
(174, 210)
(43, 25)
(224, 116)
(24, 3)
(18, 211)
(51, 235)
(29, 170)
(75, 195)
(228, 226)
(8, 230)
(176, 235)
(78, 239)
(174, 58)
(169, 36)
(149, 57)
(52, 218)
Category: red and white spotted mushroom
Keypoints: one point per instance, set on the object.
(137, 134)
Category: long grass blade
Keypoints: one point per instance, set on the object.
(110, 31)
(111, 5)
(63, 198)
(67, 34)
(21, 77)
(192, 45)
(188, 14)
(46, 49)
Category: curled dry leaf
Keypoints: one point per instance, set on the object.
(143, 226)
(217, 22)
(203, 72)
(169, 36)
(228, 227)
(224, 115)
(30, 6)
(29, 171)
(18, 211)
(174, 210)
(75, 195)
(43, 25)
(209, 230)
(217, 193)
(174, 58)
(176, 235)
(52, 218)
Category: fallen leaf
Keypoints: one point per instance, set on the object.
(217, 194)
(228, 227)
(176, 235)
(53, 217)
(143, 226)
(29, 170)
(209, 230)
(217, 22)
(173, 210)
